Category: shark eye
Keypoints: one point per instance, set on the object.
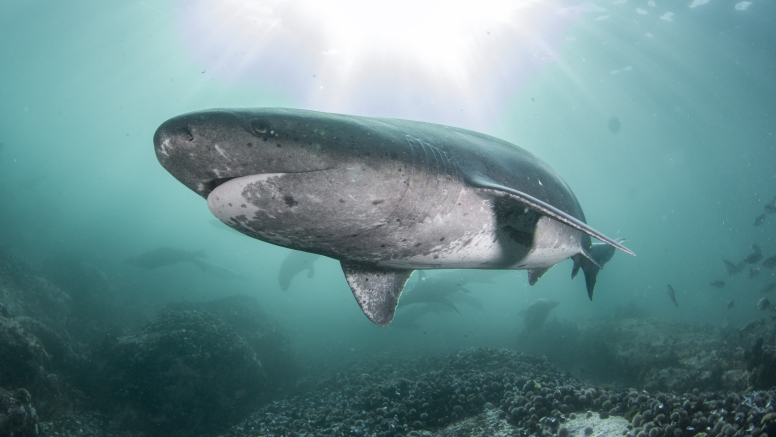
(259, 128)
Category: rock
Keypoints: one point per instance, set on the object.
(23, 357)
(184, 371)
(23, 293)
(761, 360)
(17, 415)
(268, 340)
(650, 353)
(735, 380)
(92, 306)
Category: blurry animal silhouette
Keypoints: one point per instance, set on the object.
(294, 263)
(755, 256)
(672, 294)
(166, 256)
(537, 312)
(733, 269)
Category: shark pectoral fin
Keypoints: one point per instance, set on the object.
(546, 209)
(535, 274)
(376, 289)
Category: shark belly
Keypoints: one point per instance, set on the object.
(492, 247)
(405, 234)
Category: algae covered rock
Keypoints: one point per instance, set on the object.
(268, 340)
(23, 356)
(17, 415)
(188, 369)
(23, 293)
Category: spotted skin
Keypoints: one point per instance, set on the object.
(383, 196)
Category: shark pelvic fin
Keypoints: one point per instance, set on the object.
(546, 209)
(575, 269)
(535, 274)
(376, 289)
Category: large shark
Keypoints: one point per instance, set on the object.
(383, 196)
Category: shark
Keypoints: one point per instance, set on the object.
(432, 290)
(167, 256)
(384, 197)
(294, 263)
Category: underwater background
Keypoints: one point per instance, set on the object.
(659, 115)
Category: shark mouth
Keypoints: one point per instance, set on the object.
(212, 184)
(227, 200)
(209, 186)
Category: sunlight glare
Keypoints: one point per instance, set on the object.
(398, 58)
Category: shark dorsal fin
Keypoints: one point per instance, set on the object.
(546, 209)
(376, 289)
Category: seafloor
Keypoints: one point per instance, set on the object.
(73, 363)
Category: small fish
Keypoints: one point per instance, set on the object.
(770, 263)
(753, 273)
(717, 284)
(731, 304)
(672, 294)
(760, 219)
(763, 304)
(768, 288)
(755, 256)
(770, 208)
(733, 269)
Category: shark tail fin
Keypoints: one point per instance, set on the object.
(591, 263)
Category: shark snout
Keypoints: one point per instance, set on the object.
(172, 133)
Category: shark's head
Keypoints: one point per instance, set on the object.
(208, 148)
(300, 179)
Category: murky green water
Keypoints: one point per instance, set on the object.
(660, 116)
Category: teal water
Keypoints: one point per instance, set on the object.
(84, 85)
